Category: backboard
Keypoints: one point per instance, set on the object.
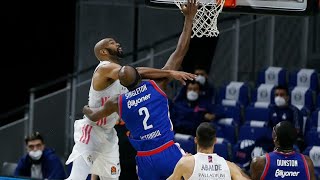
(273, 7)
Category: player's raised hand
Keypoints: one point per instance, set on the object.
(183, 76)
(189, 9)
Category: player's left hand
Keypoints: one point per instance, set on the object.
(86, 110)
(183, 76)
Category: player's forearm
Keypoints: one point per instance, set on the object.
(98, 113)
(152, 73)
(175, 60)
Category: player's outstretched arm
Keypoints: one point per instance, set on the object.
(111, 71)
(94, 114)
(257, 167)
(189, 10)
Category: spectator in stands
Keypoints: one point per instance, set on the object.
(282, 110)
(188, 112)
(40, 162)
(207, 88)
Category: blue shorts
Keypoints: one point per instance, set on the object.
(159, 165)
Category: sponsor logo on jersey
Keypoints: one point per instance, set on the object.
(132, 103)
(113, 170)
(283, 174)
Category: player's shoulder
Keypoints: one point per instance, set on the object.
(307, 158)
(186, 160)
(108, 65)
(258, 161)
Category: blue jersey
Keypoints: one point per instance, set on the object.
(145, 112)
(291, 166)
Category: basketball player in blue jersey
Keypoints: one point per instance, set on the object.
(283, 162)
(145, 111)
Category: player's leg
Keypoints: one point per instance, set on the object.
(108, 178)
(80, 170)
(146, 169)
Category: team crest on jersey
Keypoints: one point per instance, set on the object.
(89, 158)
(113, 170)
(210, 159)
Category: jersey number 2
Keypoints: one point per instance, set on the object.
(145, 111)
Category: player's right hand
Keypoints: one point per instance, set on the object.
(183, 76)
(190, 8)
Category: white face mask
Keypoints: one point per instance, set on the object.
(279, 101)
(192, 95)
(35, 155)
(201, 79)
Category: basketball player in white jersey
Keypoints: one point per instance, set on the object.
(206, 164)
(96, 149)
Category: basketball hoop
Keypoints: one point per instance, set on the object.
(205, 20)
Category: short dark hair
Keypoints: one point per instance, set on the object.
(194, 82)
(286, 134)
(281, 87)
(34, 136)
(206, 133)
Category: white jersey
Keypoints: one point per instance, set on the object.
(97, 142)
(210, 166)
(98, 98)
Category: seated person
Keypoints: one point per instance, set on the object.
(282, 110)
(188, 112)
(40, 162)
(207, 89)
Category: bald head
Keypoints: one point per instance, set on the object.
(108, 49)
(129, 77)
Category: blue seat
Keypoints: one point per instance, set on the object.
(242, 153)
(257, 114)
(233, 94)
(312, 137)
(223, 148)
(255, 130)
(304, 78)
(315, 118)
(314, 153)
(227, 129)
(234, 112)
(272, 75)
(186, 142)
(302, 97)
(263, 96)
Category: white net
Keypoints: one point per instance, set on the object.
(205, 20)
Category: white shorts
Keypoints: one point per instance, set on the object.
(97, 146)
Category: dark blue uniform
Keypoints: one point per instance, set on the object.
(145, 112)
(289, 166)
